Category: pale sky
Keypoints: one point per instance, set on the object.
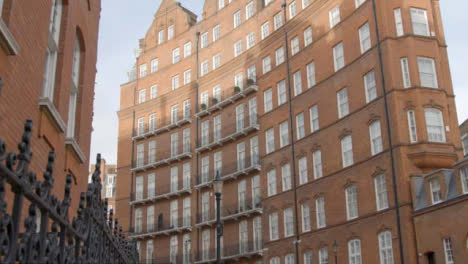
(123, 22)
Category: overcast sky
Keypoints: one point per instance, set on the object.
(123, 22)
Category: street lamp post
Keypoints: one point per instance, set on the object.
(335, 249)
(218, 187)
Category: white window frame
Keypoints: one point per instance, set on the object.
(238, 48)
(204, 40)
(347, 151)
(370, 86)
(286, 177)
(187, 49)
(249, 10)
(170, 32)
(308, 36)
(342, 102)
(419, 17)
(282, 95)
(295, 48)
(352, 208)
(314, 118)
(288, 222)
(266, 64)
(297, 83)
(381, 195)
(385, 247)
(216, 32)
(273, 226)
(303, 175)
(432, 134)
(250, 40)
(153, 91)
(375, 134)
(320, 212)
(436, 191)
(300, 126)
(142, 96)
(365, 38)
(338, 56)
(270, 140)
(272, 182)
(413, 131)
(277, 21)
(237, 18)
(265, 29)
(334, 16)
(354, 251)
(432, 74)
(154, 65)
(406, 75)
(279, 56)
(448, 251)
(317, 163)
(268, 100)
(284, 133)
(305, 213)
(310, 70)
(292, 10)
(398, 22)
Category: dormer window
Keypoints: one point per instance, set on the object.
(161, 37)
(170, 32)
(436, 194)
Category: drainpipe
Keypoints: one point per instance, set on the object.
(291, 134)
(389, 135)
(197, 142)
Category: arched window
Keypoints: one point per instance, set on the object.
(434, 125)
(52, 49)
(354, 251)
(74, 88)
(385, 247)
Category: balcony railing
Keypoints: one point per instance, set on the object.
(251, 88)
(254, 166)
(151, 132)
(222, 141)
(234, 252)
(231, 212)
(165, 193)
(163, 162)
(163, 228)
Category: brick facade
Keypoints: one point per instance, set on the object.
(25, 38)
(330, 103)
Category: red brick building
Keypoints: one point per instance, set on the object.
(108, 179)
(48, 67)
(324, 136)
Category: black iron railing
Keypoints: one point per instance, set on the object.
(48, 236)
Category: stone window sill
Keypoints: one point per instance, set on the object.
(71, 142)
(48, 106)
(7, 41)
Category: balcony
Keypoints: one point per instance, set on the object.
(163, 162)
(161, 229)
(231, 212)
(251, 88)
(161, 195)
(254, 167)
(222, 141)
(236, 252)
(142, 134)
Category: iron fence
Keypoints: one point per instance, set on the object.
(48, 236)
